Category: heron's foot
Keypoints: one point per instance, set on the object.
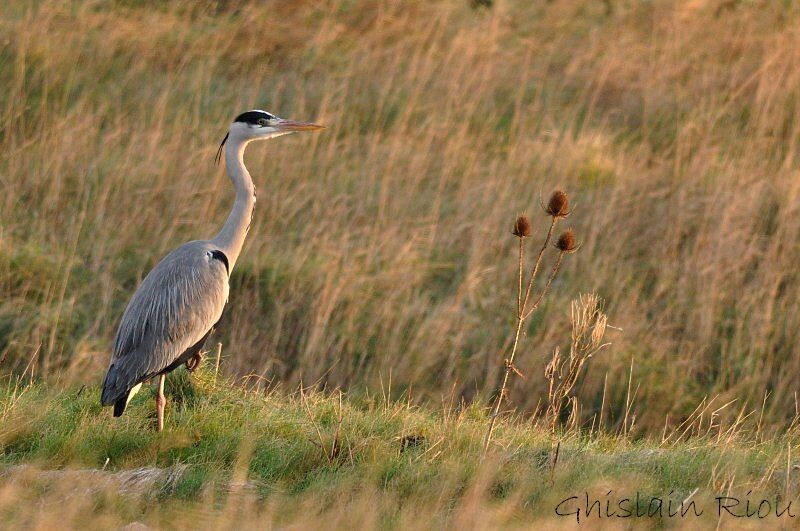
(194, 362)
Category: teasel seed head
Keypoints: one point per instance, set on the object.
(558, 206)
(566, 242)
(522, 227)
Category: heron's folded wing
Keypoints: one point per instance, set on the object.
(175, 306)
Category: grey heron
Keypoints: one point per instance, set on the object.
(178, 303)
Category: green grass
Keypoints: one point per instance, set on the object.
(390, 459)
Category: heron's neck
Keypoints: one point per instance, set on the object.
(231, 237)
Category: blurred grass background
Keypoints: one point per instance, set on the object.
(381, 249)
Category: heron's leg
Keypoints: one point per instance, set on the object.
(194, 362)
(161, 401)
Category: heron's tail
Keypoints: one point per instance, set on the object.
(111, 392)
(122, 403)
(119, 406)
(116, 392)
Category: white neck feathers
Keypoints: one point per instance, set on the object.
(231, 238)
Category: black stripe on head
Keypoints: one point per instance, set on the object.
(219, 151)
(216, 254)
(252, 117)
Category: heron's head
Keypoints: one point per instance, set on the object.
(262, 125)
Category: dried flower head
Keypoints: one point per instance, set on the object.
(558, 206)
(522, 227)
(566, 242)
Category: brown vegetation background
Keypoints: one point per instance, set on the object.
(381, 249)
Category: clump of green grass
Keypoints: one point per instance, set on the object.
(320, 454)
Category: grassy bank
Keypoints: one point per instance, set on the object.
(235, 457)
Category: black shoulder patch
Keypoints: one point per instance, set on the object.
(216, 254)
(252, 117)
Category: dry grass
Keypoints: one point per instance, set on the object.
(373, 254)
(562, 372)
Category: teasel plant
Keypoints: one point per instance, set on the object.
(557, 208)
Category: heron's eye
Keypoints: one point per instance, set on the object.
(262, 122)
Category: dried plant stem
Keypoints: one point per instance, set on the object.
(499, 399)
(216, 365)
(519, 285)
(553, 273)
(304, 400)
(522, 314)
(537, 263)
(563, 371)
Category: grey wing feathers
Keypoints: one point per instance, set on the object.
(174, 307)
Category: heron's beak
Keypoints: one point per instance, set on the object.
(292, 125)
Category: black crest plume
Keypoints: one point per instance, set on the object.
(219, 151)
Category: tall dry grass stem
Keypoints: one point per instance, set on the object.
(217, 362)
